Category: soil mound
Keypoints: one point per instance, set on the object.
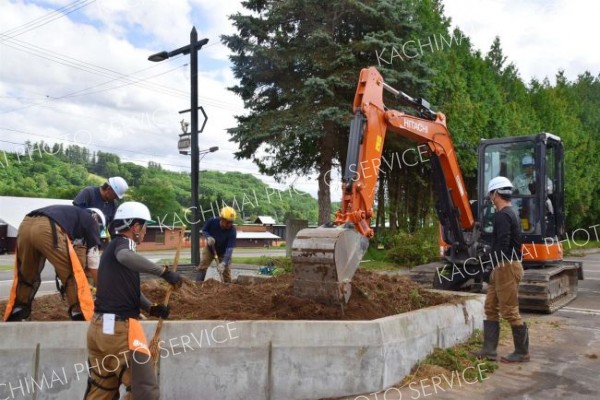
(373, 296)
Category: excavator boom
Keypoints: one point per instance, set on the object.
(325, 259)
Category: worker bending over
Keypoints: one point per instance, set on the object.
(68, 237)
(103, 197)
(117, 349)
(503, 288)
(220, 240)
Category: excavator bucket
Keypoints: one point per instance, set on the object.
(324, 261)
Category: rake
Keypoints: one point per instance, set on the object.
(154, 343)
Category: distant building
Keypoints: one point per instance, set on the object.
(256, 239)
(12, 212)
(160, 238)
(265, 220)
(271, 225)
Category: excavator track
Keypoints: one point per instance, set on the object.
(542, 290)
(324, 261)
(547, 289)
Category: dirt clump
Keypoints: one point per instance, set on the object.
(373, 296)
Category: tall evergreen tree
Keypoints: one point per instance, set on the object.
(298, 62)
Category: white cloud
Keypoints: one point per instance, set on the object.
(112, 38)
(539, 37)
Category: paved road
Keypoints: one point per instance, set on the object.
(565, 351)
(48, 283)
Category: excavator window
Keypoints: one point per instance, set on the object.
(516, 161)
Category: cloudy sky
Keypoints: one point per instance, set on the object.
(76, 71)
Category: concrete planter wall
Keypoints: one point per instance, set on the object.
(244, 359)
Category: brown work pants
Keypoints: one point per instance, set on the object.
(112, 364)
(206, 257)
(502, 297)
(36, 243)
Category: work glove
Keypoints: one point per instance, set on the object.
(210, 241)
(159, 311)
(93, 258)
(174, 278)
(221, 268)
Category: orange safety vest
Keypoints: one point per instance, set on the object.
(84, 294)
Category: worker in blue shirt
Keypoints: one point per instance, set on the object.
(220, 236)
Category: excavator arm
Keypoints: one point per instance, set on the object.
(325, 259)
(367, 135)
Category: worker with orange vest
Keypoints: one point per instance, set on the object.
(220, 236)
(117, 349)
(68, 237)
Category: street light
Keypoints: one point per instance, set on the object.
(191, 49)
(209, 150)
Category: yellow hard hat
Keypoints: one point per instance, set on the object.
(228, 213)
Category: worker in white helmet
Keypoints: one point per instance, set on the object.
(220, 234)
(117, 349)
(502, 297)
(525, 185)
(525, 182)
(103, 197)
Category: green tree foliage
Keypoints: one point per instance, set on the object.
(41, 170)
(298, 62)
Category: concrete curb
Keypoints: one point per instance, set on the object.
(246, 359)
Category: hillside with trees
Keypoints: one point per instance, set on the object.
(54, 171)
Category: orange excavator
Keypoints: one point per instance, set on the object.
(326, 258)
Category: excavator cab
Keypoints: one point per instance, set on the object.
(534, 164)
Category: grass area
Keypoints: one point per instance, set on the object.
(442, 365)
(454, 361)
(573, 248)
(376, 259)
(6, 267)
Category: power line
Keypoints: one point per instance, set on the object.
(45, 19)
(40, 52)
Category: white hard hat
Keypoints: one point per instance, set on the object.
(527, 160)
(501, 184)
(118, 185)
(129, 211)
(100, 215)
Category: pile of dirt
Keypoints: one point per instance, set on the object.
(373, 296)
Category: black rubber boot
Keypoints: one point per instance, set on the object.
(77, 316)
(200, 276)
(521, 341)
(19, 314)
(491, 335)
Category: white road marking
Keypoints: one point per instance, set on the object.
(581, 310)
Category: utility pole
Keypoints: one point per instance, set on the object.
(192, 49)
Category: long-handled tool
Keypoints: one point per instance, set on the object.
(213, 249)
(216, 258)
(154, 343)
